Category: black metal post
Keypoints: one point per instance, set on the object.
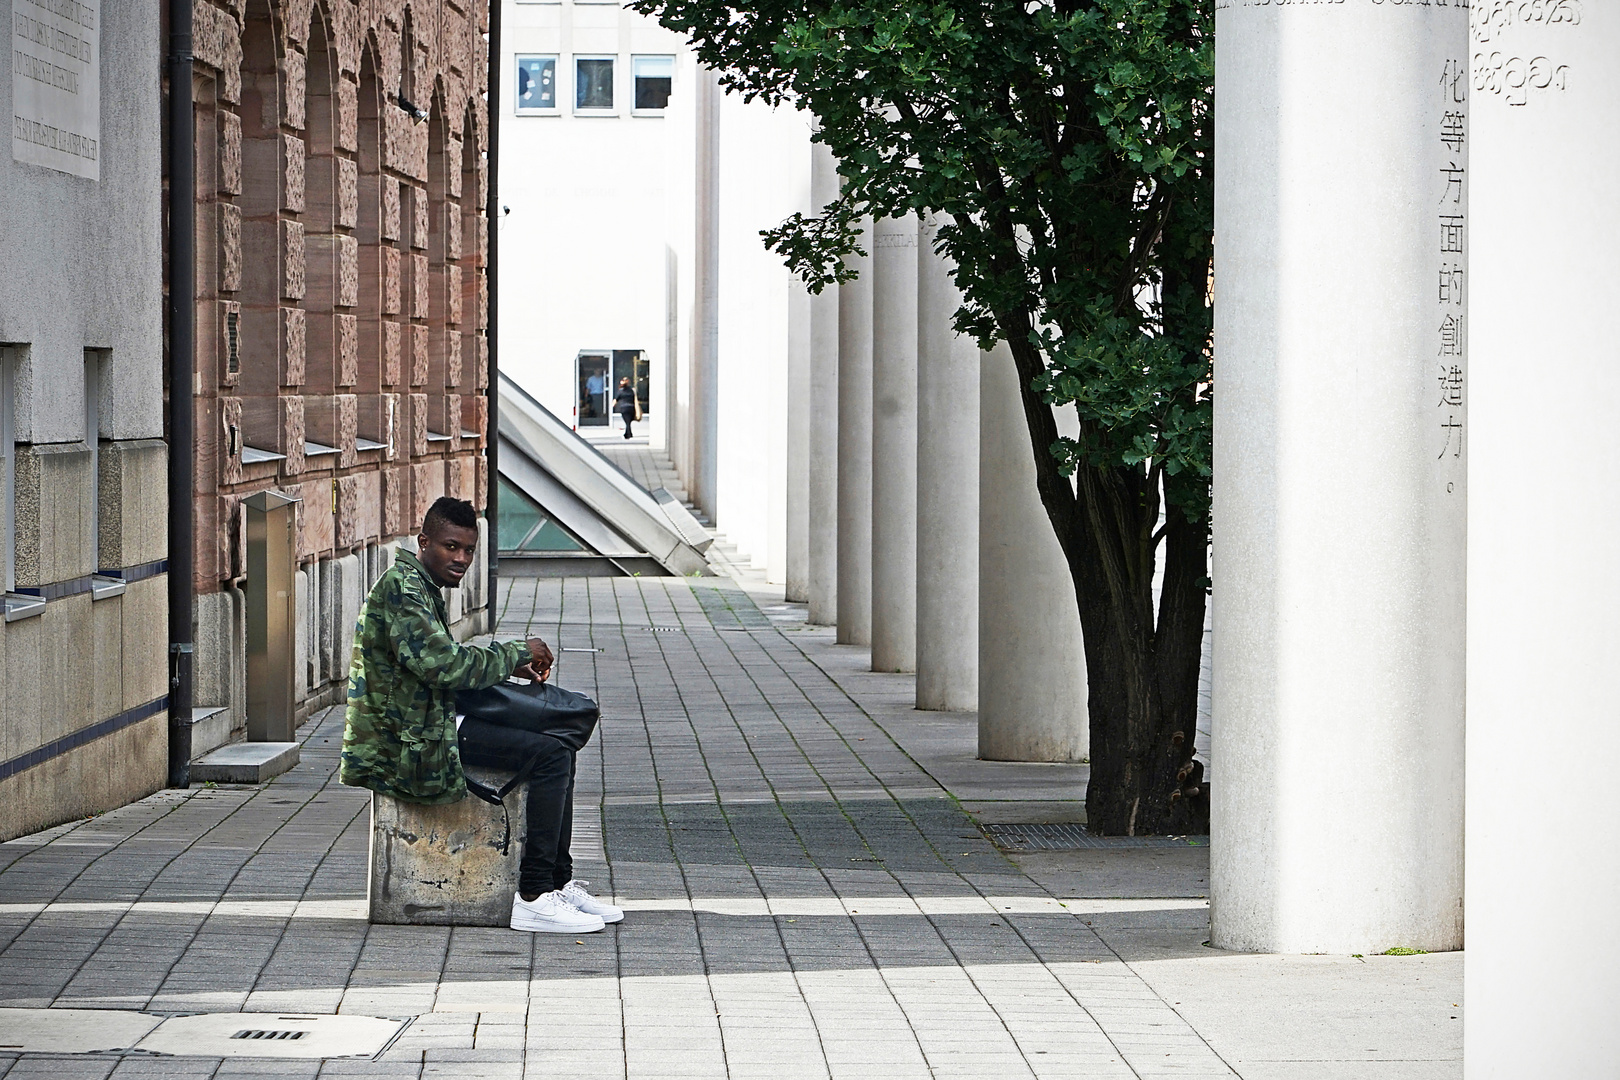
(182, 333)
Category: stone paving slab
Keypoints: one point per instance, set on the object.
(805, 899)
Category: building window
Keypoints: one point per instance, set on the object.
(654, 77)
(536, 84)
(593, 82)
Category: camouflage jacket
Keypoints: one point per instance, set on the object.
(400, 735)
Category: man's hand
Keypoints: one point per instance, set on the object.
(538, 669)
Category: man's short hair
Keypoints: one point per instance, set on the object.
(448, 511)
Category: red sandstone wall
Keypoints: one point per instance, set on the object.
(345, 242)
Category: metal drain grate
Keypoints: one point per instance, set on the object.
(1072, 837)
(256, 1033)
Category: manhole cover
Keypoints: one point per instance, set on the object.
(1071, 837)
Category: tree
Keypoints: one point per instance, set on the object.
(1070, 142)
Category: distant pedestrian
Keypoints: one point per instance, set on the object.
(401, 734)
(595, 387)
(624, 402)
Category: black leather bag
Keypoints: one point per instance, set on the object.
(543, 708)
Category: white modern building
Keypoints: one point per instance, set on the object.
(632, 193)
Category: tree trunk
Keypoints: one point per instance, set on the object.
(1144, 702)
(1142, 671)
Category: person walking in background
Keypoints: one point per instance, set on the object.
(624, 402)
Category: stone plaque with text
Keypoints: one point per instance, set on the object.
(56, 85)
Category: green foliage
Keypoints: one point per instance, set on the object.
(1070, 143)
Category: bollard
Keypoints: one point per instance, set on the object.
(442, 865)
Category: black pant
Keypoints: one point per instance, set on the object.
(629, 416)
(546, 862)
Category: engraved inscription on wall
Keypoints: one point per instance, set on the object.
(1450, 151)
(1520, 76)
(56, 85)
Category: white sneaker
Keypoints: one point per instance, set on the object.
(574, 892)
(551, 913)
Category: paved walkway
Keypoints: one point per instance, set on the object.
(805, 899)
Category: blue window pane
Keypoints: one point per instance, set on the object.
(593, 84)
(536, 83)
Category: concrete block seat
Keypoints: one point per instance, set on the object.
(443, 865)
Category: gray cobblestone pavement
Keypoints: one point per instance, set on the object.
(805, 900)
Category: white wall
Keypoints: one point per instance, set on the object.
(84, 257)
(1543, 971)
(585, 249)
(764, 178)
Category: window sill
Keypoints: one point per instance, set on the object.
(657, 114)
(105, 588)
(19, 607)
(536, 112)
(252, 455)
(610, 113)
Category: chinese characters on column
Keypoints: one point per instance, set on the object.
(1451, 340)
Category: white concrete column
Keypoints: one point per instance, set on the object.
(894, 445)
(703, 416)
(947, 490)
(1032, 661)
(1339, 478)
(823, 422)
(798, 443)
(855, 451)
(1543, 969)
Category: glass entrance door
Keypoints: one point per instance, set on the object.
(593, 390)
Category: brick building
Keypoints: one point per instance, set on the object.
(341, 310)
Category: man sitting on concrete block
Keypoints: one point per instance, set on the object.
(401, 738)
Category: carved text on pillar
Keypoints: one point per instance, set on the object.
(1452, 344)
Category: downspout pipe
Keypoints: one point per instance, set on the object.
(182, 315)
(492, 429)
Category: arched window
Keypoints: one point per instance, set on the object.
(466, 313)
(378, 410)
(444, 355)
(327, 371)
(272, 240)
